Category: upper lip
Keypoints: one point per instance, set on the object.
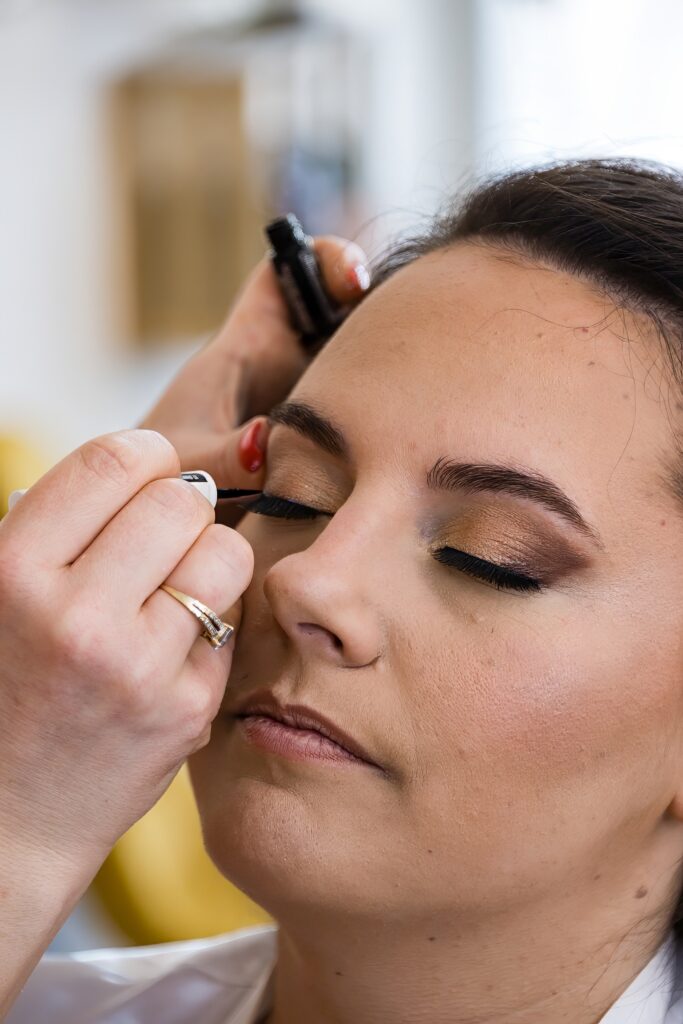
(300, 717)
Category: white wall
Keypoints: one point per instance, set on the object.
(563, 78)
(63, 373)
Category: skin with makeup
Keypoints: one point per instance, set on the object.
(465, 562)
(518, 817)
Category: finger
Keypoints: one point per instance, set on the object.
(235, 459)
(216, 571)
(208, 668)
(143, 543)
(238, 459)
(344, 268)
(66, 509)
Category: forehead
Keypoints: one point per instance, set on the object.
(473, 354)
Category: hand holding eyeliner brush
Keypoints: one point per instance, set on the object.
(206, 486)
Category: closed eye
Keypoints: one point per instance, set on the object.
(500, 576)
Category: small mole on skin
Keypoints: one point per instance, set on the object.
(662, 522)
(431, 938)
(641, 892)
(429, 851)
(339, 974)
(592, 362)
(596, 878)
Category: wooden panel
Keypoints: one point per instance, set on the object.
(193, 229)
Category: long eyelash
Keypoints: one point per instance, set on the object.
(281, 508)
(501, 578)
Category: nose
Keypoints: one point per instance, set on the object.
(326, 600)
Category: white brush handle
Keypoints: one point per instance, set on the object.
(203, 481)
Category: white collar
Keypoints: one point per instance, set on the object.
(647, 999)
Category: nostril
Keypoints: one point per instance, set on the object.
(311, 628)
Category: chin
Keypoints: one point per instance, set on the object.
(292, 836)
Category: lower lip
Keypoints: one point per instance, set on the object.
(294, 744)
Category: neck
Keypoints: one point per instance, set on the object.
(558, 964)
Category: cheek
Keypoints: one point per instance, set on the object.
(538, 723)
(269, 546)
(261, 644)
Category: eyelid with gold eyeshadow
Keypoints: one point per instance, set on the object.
(499, 576)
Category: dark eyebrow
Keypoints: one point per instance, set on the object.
(446, 474)
(476, 477)
(311, 424)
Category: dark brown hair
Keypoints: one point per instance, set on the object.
(617, 223)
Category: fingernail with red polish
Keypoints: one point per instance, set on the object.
(251, 449)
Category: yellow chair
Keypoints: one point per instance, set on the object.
(20, 466)
(158, 884)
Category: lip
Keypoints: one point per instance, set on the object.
(299, 716)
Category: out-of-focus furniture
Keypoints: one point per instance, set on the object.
(20, 466)
(190, 223)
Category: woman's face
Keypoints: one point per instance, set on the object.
(529, 738)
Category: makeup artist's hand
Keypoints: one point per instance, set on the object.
(106, 686)
(250, 366)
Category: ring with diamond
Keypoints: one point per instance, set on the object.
(215, 631)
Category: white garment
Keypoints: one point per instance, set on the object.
(222, 980)
(229, 980)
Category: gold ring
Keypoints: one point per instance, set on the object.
(216, 631)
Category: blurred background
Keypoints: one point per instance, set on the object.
(145, 143)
